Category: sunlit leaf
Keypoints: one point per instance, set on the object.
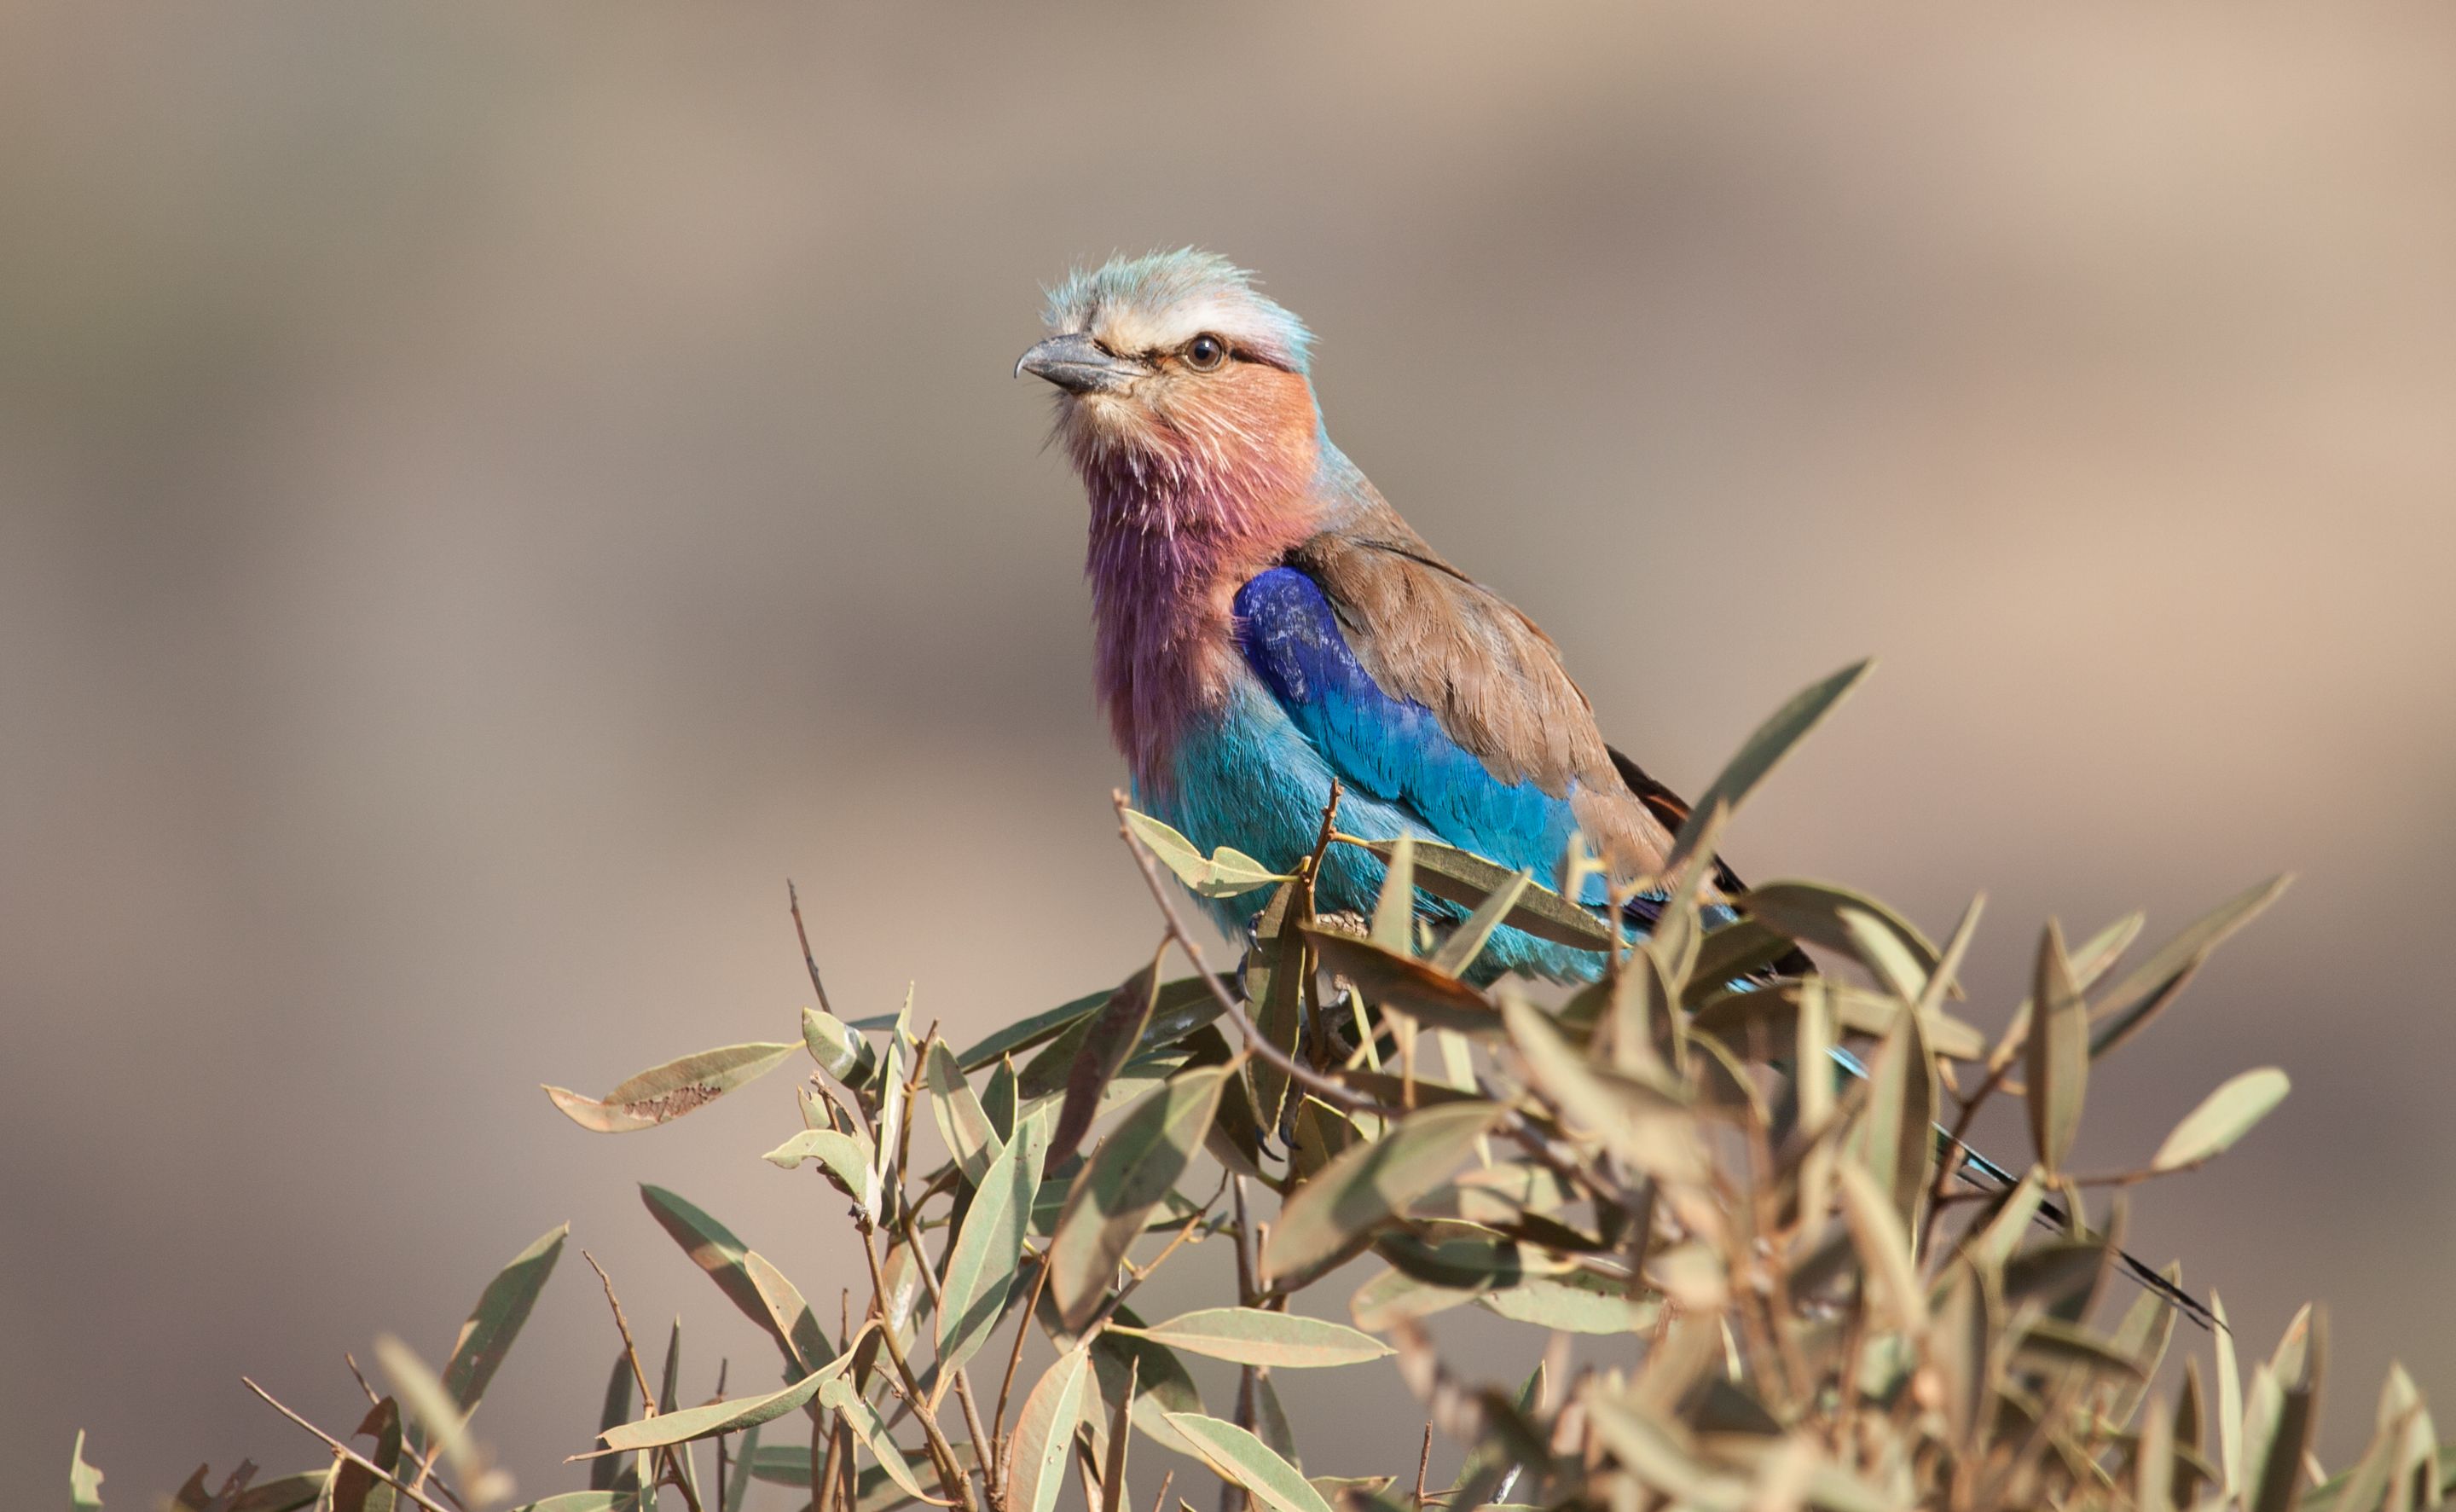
(1127, 1177)
(848, 1157)
(1371, 1183)
(1241, 1457)
(1225, 874)
(963, 1123)
(85, 1481)
(487, 1335)
(748, 1282)
(1759, 1023)
(1959, 1347)
(441, 1421)
(1025, 1033)
(666, 1092)
(1249, 1336)
(1045, 1432)
(1760, 753)
(1159, 1380)
(2128, 1006)
(1574, 1302)
(2058, 1064)
(1467, 941)
(722, 1417)
(2222, 1117)
(981, 1266)
(1820, 914)
(839, 1049)
(867, 1425)
(1461, 876)
(1884, 1247)
(1646, 1125)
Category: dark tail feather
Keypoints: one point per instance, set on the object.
(1981, 1172)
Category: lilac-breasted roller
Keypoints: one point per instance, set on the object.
(1265, 622)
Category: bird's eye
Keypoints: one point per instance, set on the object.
(1205, 353)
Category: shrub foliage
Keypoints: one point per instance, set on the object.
(1733, 1204)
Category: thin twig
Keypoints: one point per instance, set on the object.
(950, 1475)
(1014, 1356)
(343, 1450)
(808, 959)
(1423, 1461)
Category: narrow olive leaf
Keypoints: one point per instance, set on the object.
(668, 1091)
(2058, 1064)
(988, 1248)
(839, 1049)
(2153, 1464)
(1160, 1382)
(731, 1498)
(1732, 954)
(2128, 1006)
(2147, 1328)
(2050, 1343)
(1994, 1244)
(1120, 1430)
(1892, 1139)
(1127, 1177)
(1393, 1296)
(1271, 1421)
(1275, 984)
(1659, 1453)
(1461, 876)
(962, 1122)
(609, 1474)
(2229, 1399)
(1467, 941)
(1576, 1302)
(1960, 1348)
(1819, 913)
(1238, 1456)
(1394, 909)
(85, 1481)
(492, 1325)
(730, 1416)
(2222, 1117)
(1884, 955)
(1224, 874)
(1370, 1183)
(1884, 1247)
(1025, 1033)
(1645, 1124)
(442, 1421)
(1249, 1336)
(1758, 1023)
(867, 1425)
(848, 1157)
(1107, 1045)
(1759, 755)
(1044, 1433)
(748, 1280)
(1411, 987)
(584, 1502)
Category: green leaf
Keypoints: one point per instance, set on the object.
(1461, 876)
(2129, 1004)
(1107, 1045)
(1225, 874)
(1759, 755)
(1238, 1456)
(1733, 953)
(1249, 1336)
(1383, 1301)
(666, 1092)
(1822, 913)
(1276, 977)
(1411, 987)
(962, 1122)
(1127, 1177)
(839, 1049)
(1394, 911)
(1648, 1126)
(607, 1474)
(85, 1481)
(1372, 1182)
(1162, 1384)
(1577, 1303)
(2058, 1065)
(870, 1429)
(501, 1309)
(730, 1416)
(1884, 1247)
(1045, 1432)
(981, 1266)
(1760, 1023)
(1025, 1033)
(443, 1422)
(848, 1157)
(1896, 1137)
(584, 1502)
(1466, 942)
(747, 1279)
(1959, 1346)
(1661, 1454)
(2222, 1117)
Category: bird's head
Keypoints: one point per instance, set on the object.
(1177, 378)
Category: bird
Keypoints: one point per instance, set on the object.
(1266, 623)
(1268, 630)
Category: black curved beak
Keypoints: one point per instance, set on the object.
(1079, 365)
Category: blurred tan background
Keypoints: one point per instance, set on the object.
(485, 496)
